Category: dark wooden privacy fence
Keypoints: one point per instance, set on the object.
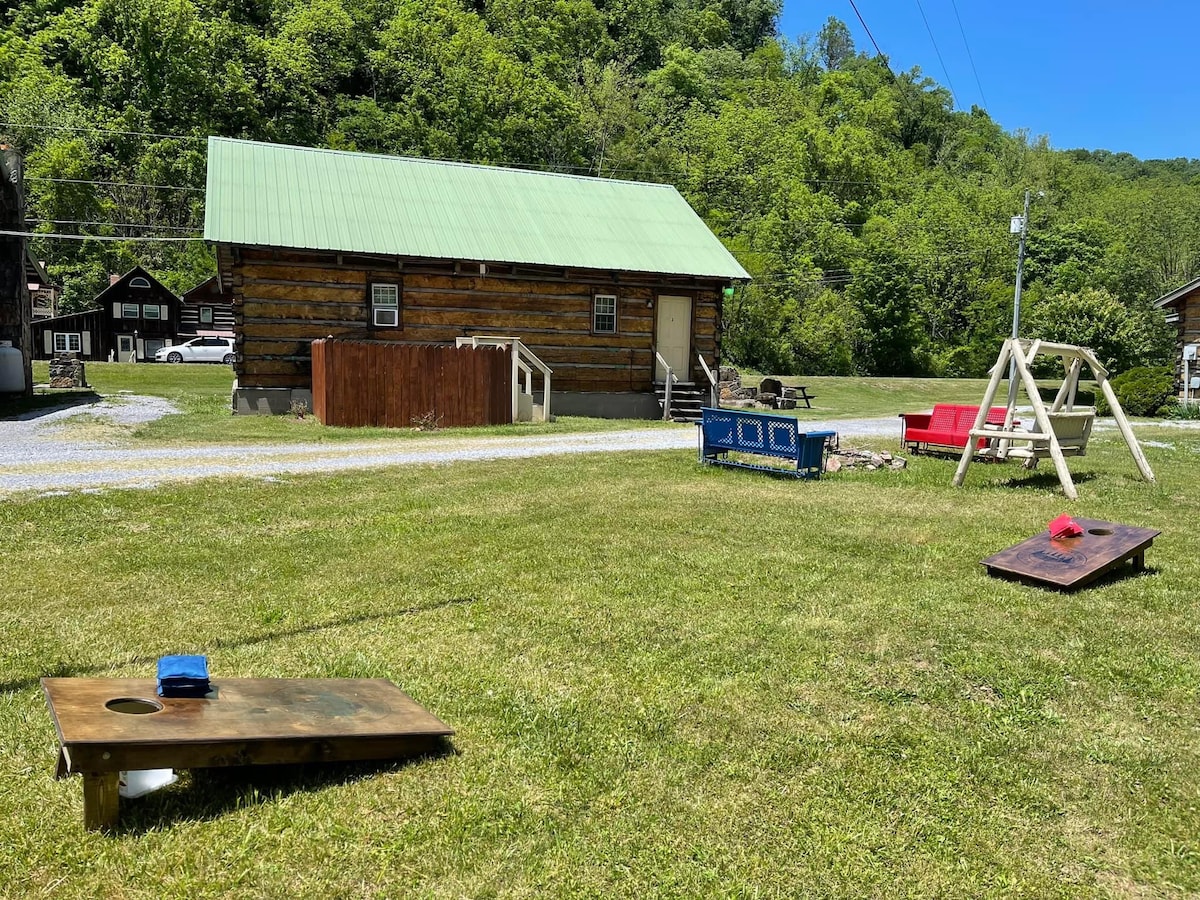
(397, 385)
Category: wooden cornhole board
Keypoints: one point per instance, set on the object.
(1071, 563)
(242, 722)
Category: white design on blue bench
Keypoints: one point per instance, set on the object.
(723, 431)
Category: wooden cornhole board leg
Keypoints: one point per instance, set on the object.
(101, 800)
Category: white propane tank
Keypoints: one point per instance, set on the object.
(12, 369)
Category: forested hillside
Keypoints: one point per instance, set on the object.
(873, 215)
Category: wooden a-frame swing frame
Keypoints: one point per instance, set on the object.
(1050, 422)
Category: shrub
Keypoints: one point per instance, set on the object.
(1144, 391)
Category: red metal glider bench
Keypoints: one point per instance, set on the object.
(946, 428)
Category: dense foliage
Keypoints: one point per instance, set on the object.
(873, 216)
(1142, 391)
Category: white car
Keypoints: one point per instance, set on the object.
(201, 349)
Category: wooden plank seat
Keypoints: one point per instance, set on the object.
(946, 428)
(1072, 429)
(725, 431)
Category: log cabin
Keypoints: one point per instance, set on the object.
(206, 311)
(132, 318)
(616, 286)
(1182, 308)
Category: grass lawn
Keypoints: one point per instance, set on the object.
(202, 393)
(666, 680)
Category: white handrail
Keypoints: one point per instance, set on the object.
(712, 381)
(670, 379)
(522, 357)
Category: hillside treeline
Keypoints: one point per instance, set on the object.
(873, 215)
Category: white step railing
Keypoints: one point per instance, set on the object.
(524, 361)
(712, 381)
(671, 379)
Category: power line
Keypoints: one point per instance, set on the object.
(937, 50)
(963, 32)
(115, 224)
(124, 184)
(100, 237)
(78, 128)
(863, 22)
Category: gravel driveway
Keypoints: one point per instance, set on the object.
(36, 455)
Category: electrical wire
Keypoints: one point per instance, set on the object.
(123, 184)
(862, 22)
(78, 128)
(938, 51)
(192, 228)
(99, 237)
(970, 57)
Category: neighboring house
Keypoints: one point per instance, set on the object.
(206, 311)
(134, 316)
(595, 276)
(1182, 308)
(43, 294)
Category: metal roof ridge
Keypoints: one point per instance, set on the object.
(444, 162)
(1171, 296)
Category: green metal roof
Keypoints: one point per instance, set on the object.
(277, 196)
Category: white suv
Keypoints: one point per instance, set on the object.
(201, 349)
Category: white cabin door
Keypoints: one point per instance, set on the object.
(674, 336)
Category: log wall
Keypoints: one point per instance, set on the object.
(283, 301)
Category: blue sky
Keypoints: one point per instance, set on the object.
(1104, 74)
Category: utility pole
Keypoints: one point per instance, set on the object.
(1012, 363)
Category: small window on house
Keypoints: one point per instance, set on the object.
(66, 343)
(206, 315)
(604, 314)
(130, 310)
(150, 311)
(385, 305)
(139, 282)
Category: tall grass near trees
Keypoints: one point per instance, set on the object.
(666, 680)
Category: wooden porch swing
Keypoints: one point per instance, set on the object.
(1062, 430)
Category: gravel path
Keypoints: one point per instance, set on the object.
(36, 456)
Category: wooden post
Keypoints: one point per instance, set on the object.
(1123, 425)
(101, 802)
(1045, 426)
(988, 396)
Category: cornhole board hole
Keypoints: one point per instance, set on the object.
(1070, 563)
(109, 725)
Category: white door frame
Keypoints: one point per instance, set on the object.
(676, 353)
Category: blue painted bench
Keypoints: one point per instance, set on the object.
(735, 430)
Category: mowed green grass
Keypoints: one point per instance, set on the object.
(202, 393)
(666, 680)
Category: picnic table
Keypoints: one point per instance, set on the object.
(803, 396)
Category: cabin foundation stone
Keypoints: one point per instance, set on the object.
(266, 401)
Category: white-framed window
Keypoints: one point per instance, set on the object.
(206, 314)
(139, 282)
(67, 343)
(385, 305)
(130, 310)
(604, 314)
(149, 310)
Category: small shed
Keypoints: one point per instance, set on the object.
(14, 291)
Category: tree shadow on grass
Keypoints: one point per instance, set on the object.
(208, 794)
(69, 671)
